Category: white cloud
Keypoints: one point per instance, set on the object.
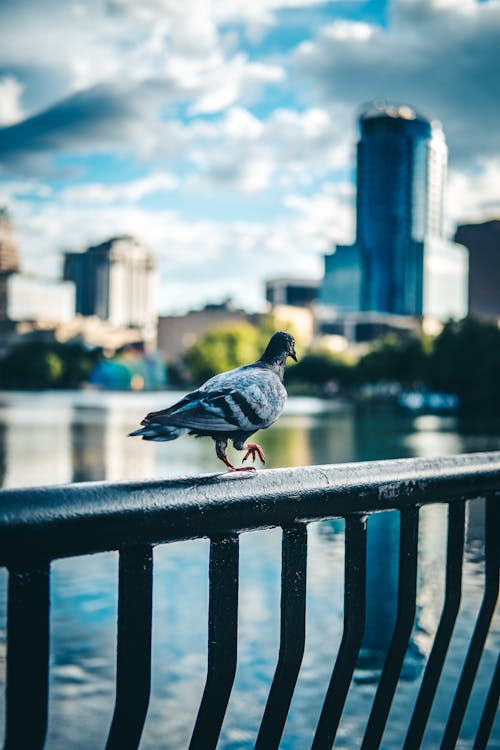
(12, 189)
(126, 192)
(474, 196)
(203, 13)
(10, 100)
(292, 148)
(234, 80)
(180, 44)
(327, 217)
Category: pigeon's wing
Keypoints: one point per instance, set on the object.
(242, 402)
(205, 411)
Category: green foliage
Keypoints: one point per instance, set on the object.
(223, 348)
(466, 361)
(463, 359)
(53, 367)
(319, 368)
(269, 325)
(37, 364)
(403, 360)
(230, 345)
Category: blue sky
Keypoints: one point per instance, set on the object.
(223, 133)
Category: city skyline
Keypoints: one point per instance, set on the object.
(223, 135)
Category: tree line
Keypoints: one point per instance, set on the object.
(464, 359)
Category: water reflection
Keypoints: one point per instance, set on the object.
(381, 592)
(3, 453)
(88, 432)
(50, 438)
(382, 589)
(82, 436)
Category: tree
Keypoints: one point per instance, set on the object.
(319, 368)
(38, 364)
(31, 365)
(466, 360)
(223, 348)
(403, 360)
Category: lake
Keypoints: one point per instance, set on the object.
(60, 437)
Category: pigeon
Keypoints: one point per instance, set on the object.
(230, 406)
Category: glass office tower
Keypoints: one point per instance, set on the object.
(401, 168)
(400, 254)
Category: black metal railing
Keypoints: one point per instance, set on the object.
(42, 524)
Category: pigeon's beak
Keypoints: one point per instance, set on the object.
(292, 353)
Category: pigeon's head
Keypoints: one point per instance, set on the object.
(281, 345)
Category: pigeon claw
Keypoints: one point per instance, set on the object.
(230, 466)
(252, 449)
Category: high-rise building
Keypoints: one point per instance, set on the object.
(483, 242)
(401, 264)
(294, 292)
(46, 301)
(115, 281)
(9, 260)
(26, 298)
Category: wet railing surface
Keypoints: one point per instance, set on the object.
(38, 525)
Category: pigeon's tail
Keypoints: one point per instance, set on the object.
(158, 432)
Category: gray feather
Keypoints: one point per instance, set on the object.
(158, 432)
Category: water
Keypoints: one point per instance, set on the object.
(48, 438)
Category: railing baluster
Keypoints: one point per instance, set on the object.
(222, 641)
(489, 711)
(293, 632)
(133, 655)
(59, 522)
(407, 591)
(457, 713)
(27, 689)
(453, 592)
(354, 625)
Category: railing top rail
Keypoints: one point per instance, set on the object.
(67, 520)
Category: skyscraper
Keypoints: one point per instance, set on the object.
(400, 264)
(115, 281)
(483, 242)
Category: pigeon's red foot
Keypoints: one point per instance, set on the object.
(252, 449)
(230, 466)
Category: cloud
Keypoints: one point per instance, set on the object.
(74, 44)
(236, 150)
(127, 192)
(288, 148)
(10, 100)
(114, 118)
(86, 120)
(236, 80)
(129, 117)
(203, 14)
(326, 217)
(11, 190)
(197, 258)
(440, 56)
(474, 196)
(83, 45)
